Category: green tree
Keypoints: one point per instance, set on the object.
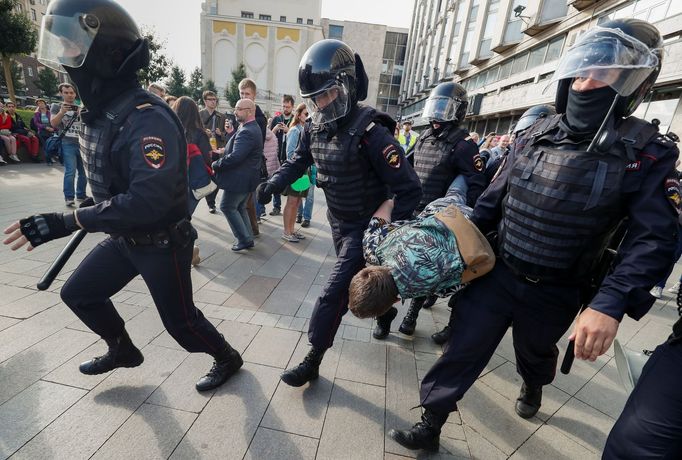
(195, 85)
(15, 73)
(232, 88)
(159, 63)
(175, 84)
(18, 37)
(47, 82)
(210, 86)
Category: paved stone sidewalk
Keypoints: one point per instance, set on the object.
(262, 301)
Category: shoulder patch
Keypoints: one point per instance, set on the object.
(672, 191)
(153, 151)
(478, 163)
(392, 156)
(634, 166)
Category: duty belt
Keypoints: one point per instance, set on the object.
(177, 235)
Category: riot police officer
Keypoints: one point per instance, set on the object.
(135, 152)
(555, 204)
(359, 165)
(442, 153)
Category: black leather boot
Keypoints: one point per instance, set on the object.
(308, 370)
(425, 434)
(430, 301)
(529, 401)
(226, 364)
(442, 336)
(383, 327)
(410, 320)
(121, 353)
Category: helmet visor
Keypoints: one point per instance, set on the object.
(441, 108)
(65, 41)
(609, 56)
(328, 105)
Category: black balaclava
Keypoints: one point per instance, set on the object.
(586, 110)
(96, 92)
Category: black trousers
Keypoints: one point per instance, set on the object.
(539, 313)
(114, 263)
(333, 302)
(651, 423)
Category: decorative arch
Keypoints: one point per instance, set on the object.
(256, 60)
(286, 71)
(224, 61)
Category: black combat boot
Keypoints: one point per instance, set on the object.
(425, 434)
(410, 320)
(529, 401)
(226, 364)
(121, 353)
(383, 327)
(430, 301)
(308, 370)
(442, 336)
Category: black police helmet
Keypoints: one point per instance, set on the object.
(447, 102)
(118, 48)
(531, 115)
(647, 34)
(329, 62)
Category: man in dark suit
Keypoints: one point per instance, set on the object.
(238, 172)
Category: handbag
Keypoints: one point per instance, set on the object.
(199, 173)
(53, 144)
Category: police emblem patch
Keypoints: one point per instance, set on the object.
(672, 191)
(153, 151)
(392, 156)
(478, 163)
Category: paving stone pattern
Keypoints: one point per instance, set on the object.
(262, 300)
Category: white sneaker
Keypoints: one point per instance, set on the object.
(657, 292)
(70, 203)
(2, 161)
(15, 158)
(675, 287)
(289, 238)
(299, 235)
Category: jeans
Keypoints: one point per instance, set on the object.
(73, 163)
(233, 206)
(306, 209)
(277, 201)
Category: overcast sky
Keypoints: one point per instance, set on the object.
(179, 26)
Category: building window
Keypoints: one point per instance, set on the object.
(299, 20)
(554, 48)
(33, 15)
(488, 30)
(512, 33)
(519, 64)
(553, 9)
(247, 14)
(309, 22)
(282, 19)
(265, 17)
(335, 32)
(537, 56)
(30, 71)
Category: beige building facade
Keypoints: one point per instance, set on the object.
(268, 36)
(505, 52)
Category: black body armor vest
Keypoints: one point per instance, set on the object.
(351, 186)
(431, 164)
(563, 203)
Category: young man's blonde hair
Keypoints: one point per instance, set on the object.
(248, 83)
(372, 291)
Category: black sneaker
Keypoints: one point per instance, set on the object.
(305, 223)
(224, 367)
(383, 327)
(276, 212)
(299, 219)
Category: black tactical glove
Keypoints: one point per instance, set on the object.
(264, 192)
(86, 203)
(42, 228)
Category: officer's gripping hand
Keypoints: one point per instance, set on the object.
(264, 192)
(40, 229)
(593, 334)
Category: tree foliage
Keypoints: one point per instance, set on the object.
(195, 85)
(16, 74)
(159, 63)
(18, 36)
(175, 84)
(232, 88)
(210, 86)
(47, 82)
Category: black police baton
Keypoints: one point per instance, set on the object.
(52, 272)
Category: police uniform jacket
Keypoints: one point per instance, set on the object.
(385, 157)
(649, 198)
(144, 172)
